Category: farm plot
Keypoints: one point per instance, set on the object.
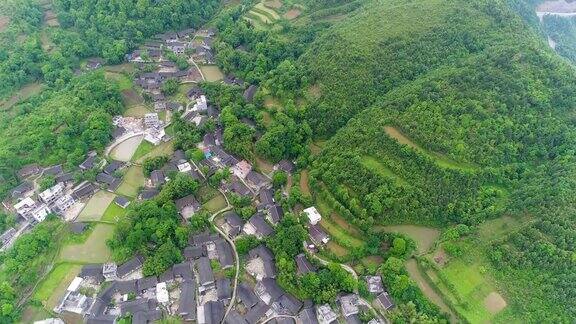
(166, 148)
(113, 213)
(125, 150)
(54, 285)
(212, 73)
(215, 204)
(133, 180)
(441, 159)
(423, 236)
(131, 98)
(137, 111)
(94, 250)
(94, 209)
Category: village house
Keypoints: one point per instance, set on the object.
(148, 194)
(308, 314)
(193, 252)
(261, 264)
(313, 215)
(258, 227)
(349, 304)
(151, 120)
(187, 301)
(285, 166)
(73, 301)
(65, 179)
(256, 181)
(130, 266)
(318, 236)
(257, 312)
(384, 301)
(176, 47)
(92, 273)
(225, 255)
(109, 271)
(157, 178)
(112, 167)
(238, 187)
(108, 181)
(268, 290)
(122, 202)
(266, 197)
(53, 170)
(89, 163)
(22, 190)
(83, 191)
(187, 206)
(288, 304)
(274, 214)
(241, 169)
(246, 295)
(162, 294)
(63, 203)
(29, 170)
(205, 274)
(303, 266)
(325, 314)
(211, 313)
(224, 289)
(233, 224)
(31, 210)
(234, 317)
(183, 271)
(374, 284)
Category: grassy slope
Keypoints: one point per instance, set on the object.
(471, 83)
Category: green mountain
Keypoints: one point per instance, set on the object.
(455, 112)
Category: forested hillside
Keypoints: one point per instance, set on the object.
(462, 117)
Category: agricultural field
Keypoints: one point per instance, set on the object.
(124, 82)
(131, 98)
(423, 236)
(137, 111)
(126, 149)
(32, 314)
(24, 93)
(94, 210)
(304, 186)
(215, 204)
(263, 15)
(113, 213)
(51, 289)
(94, 250)
(144, 148)
(166, 148)
(441, 159)
(132, 181)
(212, 73)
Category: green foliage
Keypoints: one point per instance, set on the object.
(288, 239)
(562, 31)
(323, 286)
(246, 243)
(154, 163)
(58, 126)
(283, 139)
(181, 186)
(154, 230)
(170, 87)
(279, 178)
(200, 222)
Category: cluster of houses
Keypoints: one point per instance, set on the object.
(65, 198)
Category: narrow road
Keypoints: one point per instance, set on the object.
(236, 257)
(362, 301)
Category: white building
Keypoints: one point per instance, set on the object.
(51, 194)
(63, 203)
(184, 167)
(313, 215)
(162, 293)
(28, 208)
(201, 104)
(151, 120)
(325, 314)
(155, 136)
(109, 271)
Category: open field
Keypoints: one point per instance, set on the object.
(496, 228)
(4, 22)
(423, 236)
(124, 83)
(124, 151)
(378, 167)
(144, 148)
(427, 289)
(120, 68)
(206, 193)
(215, 204)
(166, 148)
(133, 179)
(266, 11)
(273, 4)
(94, 250)
(24, 93)
(441, 159)
(337, 249)
(131, 98)
(372, 261)
(94, 209)
(345, 225)
(263, 165)
(304, 187)
(292, 14)
(137, 111)
(52, 288)
(32, 314)
(212, 73)
(113, 213)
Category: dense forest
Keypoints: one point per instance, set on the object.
(460, 118)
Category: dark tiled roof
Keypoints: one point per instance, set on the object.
(266, 196)
(157, 177)
(256, 178)
(146, 283)
(385, 300)
(21, 189)
(290, 303)
(225, 255)
(272, 288)
(137, 305)
(237, 187)
(233, 219)
(234, 318)
(101, 319)
(83, 191)
(28, 170)
(308, 316)
(205, 273)
(213, 312)
(130, 266)
(166, 276)
(113, 166)
(224, 288)
(125, 287)
(262, 252)
(353, 319)
(250, 92)
(183, 270)
(193, 252)
(188, 201)
(121, 201)
(286, 166)
(92, 271)
(246, 295)
(256, 312)
(88, 163)
(77, 227)
(260, 224)
(149, 194)
(187, 302)
(276, 213)
(303, 265)
(53, 170)
(66, 177)
(111, 182)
